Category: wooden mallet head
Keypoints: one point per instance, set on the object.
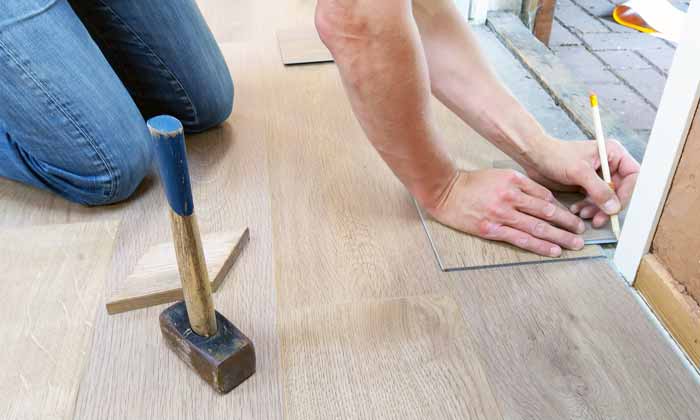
(199, 335)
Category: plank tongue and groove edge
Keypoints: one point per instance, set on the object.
(53, 279)
(156, 279)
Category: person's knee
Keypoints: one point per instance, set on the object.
(214, 104)
(131, 166)
(121, 170)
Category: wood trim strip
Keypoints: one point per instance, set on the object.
(678, 311)
(543, 20)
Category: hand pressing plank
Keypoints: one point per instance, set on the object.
(504, 205)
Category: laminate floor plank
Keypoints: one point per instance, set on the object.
(397, 358)
(353, 233)
(21, 205)
(572, 341)
(53, 280)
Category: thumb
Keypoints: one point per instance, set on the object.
(598, 190)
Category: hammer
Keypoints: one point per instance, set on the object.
(200, 336)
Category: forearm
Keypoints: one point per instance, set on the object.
(377, 48)
(462, 79)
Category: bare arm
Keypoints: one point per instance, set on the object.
(377, 47)
(462, 79)
(464, 82)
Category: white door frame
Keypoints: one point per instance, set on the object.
(474, 10)
(676, 110)
(477, 11)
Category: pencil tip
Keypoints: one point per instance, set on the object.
(594, 100)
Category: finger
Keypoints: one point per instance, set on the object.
(545, 231)
(588, 212)
(598, 190)
(625, 188)
(600, 219)
(526, 241)
(551, 212)
(534, 189)
(576, 207)
(579, 205)
(621, 162)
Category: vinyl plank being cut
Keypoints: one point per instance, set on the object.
(455, 250)
(53, 279)
(592, 235)
(302, 46)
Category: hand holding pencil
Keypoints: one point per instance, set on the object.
(602, 152)
(573, 166)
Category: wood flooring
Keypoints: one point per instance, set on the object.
(53, 280)
(339, 289)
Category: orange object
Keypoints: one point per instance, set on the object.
(625, 16)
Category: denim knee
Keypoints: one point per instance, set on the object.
(214, 103)
(123, 171)
(130, 167)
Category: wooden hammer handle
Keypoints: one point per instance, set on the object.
(169, 140)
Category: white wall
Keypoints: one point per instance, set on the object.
(476, 10)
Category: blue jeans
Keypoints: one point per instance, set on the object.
(78, 78)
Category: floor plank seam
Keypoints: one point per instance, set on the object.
(522, 263)
(430, 239)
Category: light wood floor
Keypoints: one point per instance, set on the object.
(339, 289)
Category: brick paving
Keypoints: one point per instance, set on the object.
(627, 69)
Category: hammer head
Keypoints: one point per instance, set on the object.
(225, 359)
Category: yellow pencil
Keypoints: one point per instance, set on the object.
(603, 153)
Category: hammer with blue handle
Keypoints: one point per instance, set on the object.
(199, 335)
